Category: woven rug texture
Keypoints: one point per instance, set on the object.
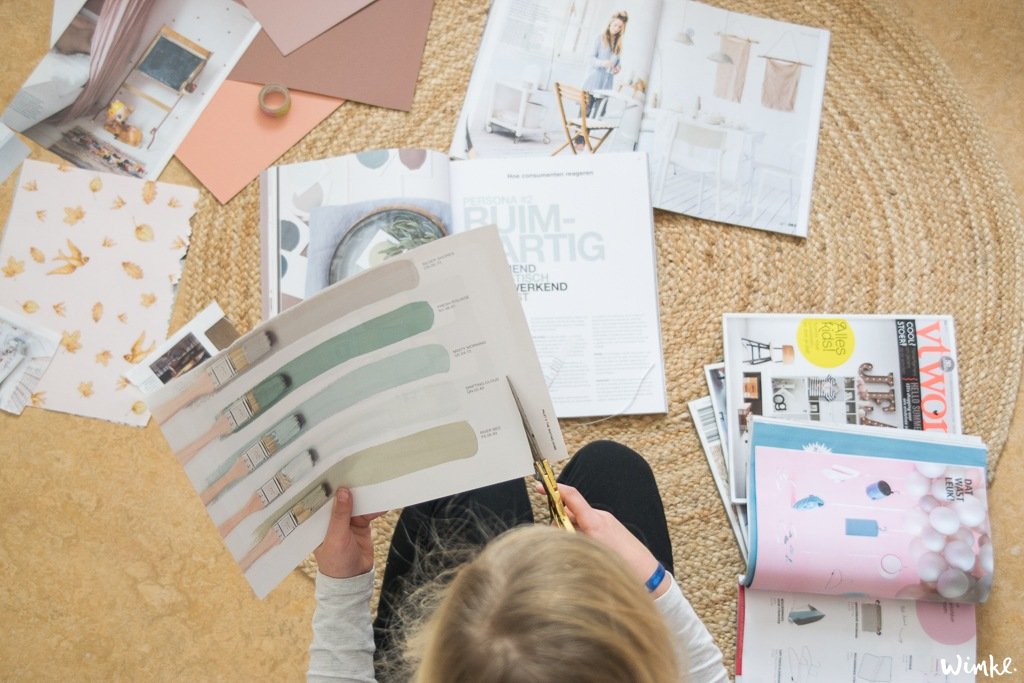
(911, 213)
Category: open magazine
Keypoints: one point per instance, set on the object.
(726, 105)
(861, 538)
(394, 383)
(578, 233)
(897, 371)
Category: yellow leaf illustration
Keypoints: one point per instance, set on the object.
(30, 306)
(73, 214)
(108, 242)
(70, 340)
(13, 267)
(147, 299)
(63, 167)
(139, 407)
(143, 233)
(173, 203)
(41, 214)
(58, 308)
(97, 311)
(95, 185)
(123, 317)
(122, 382)
(85, 389)
(72, 261)
(148, 191)
(37, 255)
(133, 270)
(137, 353)
(103, 357)
(178, 243)
(118, 202)
(38, 399)
(30, 186)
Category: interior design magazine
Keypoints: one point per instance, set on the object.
(578, 233)
(861, 541)
(394, 383)
(727, 105)
(120, 87)
(897, 371)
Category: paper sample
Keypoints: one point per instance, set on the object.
(293, 25)
(392, 382)
(233, 127)
(94, 257)
(372, 57)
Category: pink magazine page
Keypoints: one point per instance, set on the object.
(831, 522)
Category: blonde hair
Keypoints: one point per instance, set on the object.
(615, 41)
(538, 605)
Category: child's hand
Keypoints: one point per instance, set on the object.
(603, 527)
(347, 549)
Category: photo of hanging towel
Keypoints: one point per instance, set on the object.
(780, 82)
(730, 78)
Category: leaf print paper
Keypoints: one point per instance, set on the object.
(102, 288)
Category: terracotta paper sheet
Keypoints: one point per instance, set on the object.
(94, 257)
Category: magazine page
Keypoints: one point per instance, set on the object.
(535, 57)
(394, 383)
(882, 370)
(344, 213)
(702, 412)
(125, 103)
(732, 116)
(882, 512)
(788, 637)
(579, 235)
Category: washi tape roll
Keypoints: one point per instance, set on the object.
(281, 108)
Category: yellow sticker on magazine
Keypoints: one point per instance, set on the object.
(826, 342)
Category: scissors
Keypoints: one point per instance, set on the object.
(542, 470)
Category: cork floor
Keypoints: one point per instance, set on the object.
(125, 608)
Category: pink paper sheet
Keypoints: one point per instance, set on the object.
(94, 258)
(233, 141)
(372, 57)
(291, 25)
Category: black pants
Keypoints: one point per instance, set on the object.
(610, 476)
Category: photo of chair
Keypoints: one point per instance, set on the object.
(580, 133)
(698, 149)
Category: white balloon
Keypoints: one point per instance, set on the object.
(938, 489)
(953, 583)
(971, 510)
(915, 522)
(927, 503)
(944, 520)
(918, 484)
(930, 469)
(931, 566)
(917, 548)
(987, 559)
(965, 535)
(933, 540)
(959, 555)
(891, 566)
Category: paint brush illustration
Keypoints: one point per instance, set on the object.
(254, 455)
(239, 412)
(295, 470)
(298, 513)
(233, 362)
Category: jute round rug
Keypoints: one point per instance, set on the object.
(911, 213)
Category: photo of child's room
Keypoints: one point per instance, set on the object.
(123, 83)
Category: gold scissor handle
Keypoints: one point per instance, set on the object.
(555, 505)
